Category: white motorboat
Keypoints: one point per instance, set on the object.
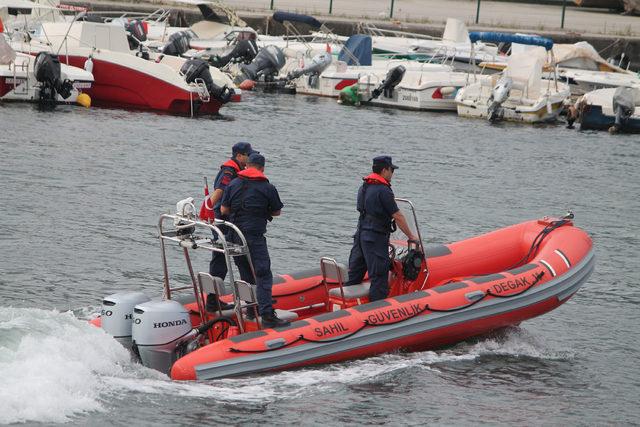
(321, 75)
(455, 39)
(519, 93)
(580, 66)
(124, 79)
(40, 79)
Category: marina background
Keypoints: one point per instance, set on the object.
(83, 189)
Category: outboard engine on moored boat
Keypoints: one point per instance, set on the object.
(623, 107)
(393, 78)
(499, 94)
(47, 72)
(194, 69)
(265, 65)
(117, 315)
(160, 329)
(318, 64)
(178, 43)
(243, 52)
(135, 33)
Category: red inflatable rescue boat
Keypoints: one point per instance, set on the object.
(439, 295)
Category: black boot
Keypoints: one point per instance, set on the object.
(214, 304)
(272, 320)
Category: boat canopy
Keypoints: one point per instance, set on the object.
(280, 17)
(492, 37)
(357, 47)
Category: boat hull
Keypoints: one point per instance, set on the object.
(119, 86)
(593, 118)
(458, 305)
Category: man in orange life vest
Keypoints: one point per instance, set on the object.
(228, 171)
(250, 201)
(378, 210)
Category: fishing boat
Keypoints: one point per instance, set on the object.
(439, 295)
(519, 93)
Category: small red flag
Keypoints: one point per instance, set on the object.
(206, 212)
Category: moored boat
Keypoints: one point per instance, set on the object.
(519, 93)
(438, 295)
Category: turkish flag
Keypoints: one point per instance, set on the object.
(206, 212)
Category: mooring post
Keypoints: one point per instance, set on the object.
(564, 7)
(330, 6)
(271, 5)
(478, 12)
(391, 10)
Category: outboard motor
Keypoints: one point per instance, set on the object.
(266, 64)
(117, 315)
(243, 52)
(199, 69)
(623, 107)
(47, 72)
(178, 43)
(135, 33)
(499, 94)
(318, 64)
(393, 78)
(159, 330)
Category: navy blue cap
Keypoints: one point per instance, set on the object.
(384, 161)
(243, 148)
(256, 158)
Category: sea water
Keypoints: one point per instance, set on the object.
(82, 191)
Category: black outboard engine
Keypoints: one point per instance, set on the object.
(266, 64)
(393, 78)
(178, 43)
(243, 52)
(199, 69)
(47, 72)
(135, 33)
(623, 107)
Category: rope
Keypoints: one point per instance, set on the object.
(366, 323)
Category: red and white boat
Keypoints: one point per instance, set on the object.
(453, 292)
(25, 78)
(121, 78)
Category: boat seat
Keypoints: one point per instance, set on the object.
(352, 292)
(247, 293)
(334, 273)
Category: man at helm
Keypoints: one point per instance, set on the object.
(378, 211)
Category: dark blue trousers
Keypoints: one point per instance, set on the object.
(218, 263)
(370, 253)
(262, 265)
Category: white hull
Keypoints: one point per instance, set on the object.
(18, 82)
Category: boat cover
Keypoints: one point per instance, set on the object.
(579, 55)
(359, 45)
(492, 37)
(455, 32)
(526, 69)
(6, 53)
(280, 17)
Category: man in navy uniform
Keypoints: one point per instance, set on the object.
(250, 201)
(229, 170)
(378, 210)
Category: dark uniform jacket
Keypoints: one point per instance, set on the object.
(251, 199)
(376, 204)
